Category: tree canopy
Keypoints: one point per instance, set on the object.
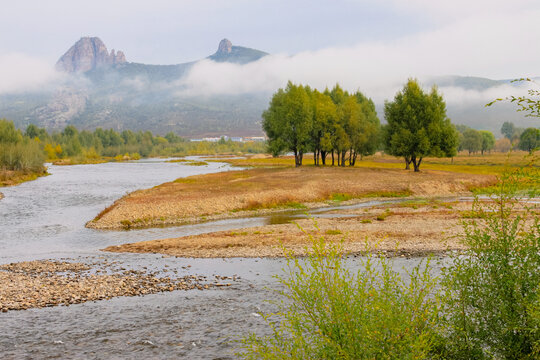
(418, 125)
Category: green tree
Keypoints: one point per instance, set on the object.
(86, 138)
(350, 118)
(472, 140)
(418, 126)
(508, 129)
(529, 139)
(324, 119)
(370, 127)
(32, 131)
(340, 139)
(8, 133)
(172, 137)
(288, 121)
(129, 137)
(488, 140)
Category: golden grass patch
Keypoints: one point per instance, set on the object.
(231, 194)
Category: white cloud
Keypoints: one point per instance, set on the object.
(492, 45)
(19, 72)
(460, 96)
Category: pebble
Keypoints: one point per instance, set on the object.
(45, 283)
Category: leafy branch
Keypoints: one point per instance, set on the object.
(530, 105)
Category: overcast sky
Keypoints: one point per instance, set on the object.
(352, 41)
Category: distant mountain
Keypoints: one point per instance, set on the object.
(236, 54)
(88, 54)
(466, 82)
(103, 89)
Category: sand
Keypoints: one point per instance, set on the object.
(408, 230)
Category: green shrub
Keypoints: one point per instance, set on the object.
(341, 197)
(26, 155)
(492, 289)
(333, 232)
(328, 312)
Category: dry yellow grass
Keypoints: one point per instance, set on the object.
(10, 177)
(231, 194)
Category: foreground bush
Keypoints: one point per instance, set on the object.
(487, 305)
(329, 312)
(492, 305)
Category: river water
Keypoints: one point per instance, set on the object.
(44, 219)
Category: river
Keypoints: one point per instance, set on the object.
(45, 218)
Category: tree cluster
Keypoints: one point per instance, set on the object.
(526, 139)
(475, 140)
(337, 123)
(511, 132)
(300, 120)
(88, 146)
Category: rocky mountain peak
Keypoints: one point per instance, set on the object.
(225, 47)
(87, 54)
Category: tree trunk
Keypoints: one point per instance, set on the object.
(343, 158)
(407, 163)
(354, 158)
(323, 157)
(416, 164)
(332, 157)
(315, 158)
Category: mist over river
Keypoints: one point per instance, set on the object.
(45, 219)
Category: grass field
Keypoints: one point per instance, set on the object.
(494, 163)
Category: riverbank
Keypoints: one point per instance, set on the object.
(12, 177)
(411, 228)
(45, 283)
(243, 193)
